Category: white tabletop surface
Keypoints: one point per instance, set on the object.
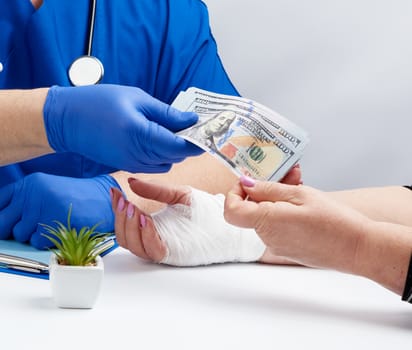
(230, 306)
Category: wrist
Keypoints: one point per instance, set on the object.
(53, 116)
(384, 255)
(36, 99)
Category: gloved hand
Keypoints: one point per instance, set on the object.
(119, 126)
(42, 198)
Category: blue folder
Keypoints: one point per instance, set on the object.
(23, 259)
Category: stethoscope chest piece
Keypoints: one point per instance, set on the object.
(86, 70)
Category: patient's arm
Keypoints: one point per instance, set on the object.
(389, 204)
(191, 231)
(203, 172)
(172, 238)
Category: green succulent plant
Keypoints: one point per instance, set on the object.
(75, 248)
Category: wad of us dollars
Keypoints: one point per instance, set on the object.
(246, 136)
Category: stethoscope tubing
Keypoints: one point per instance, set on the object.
(92, 12)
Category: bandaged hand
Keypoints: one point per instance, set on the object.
(189, 231)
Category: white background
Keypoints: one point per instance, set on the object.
(342, 70)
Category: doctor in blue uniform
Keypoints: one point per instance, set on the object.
(66, 136)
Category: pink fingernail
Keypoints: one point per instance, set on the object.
(120, 204)
(142, 221)
(247, 181)
(130, 210)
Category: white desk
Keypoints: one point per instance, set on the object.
(232, 306)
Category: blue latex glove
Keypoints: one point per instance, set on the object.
(42, 198)
(119, 126)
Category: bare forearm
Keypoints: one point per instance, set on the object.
(386, 240)
(385, 245)
(390, 204)
(203, 172)
(21, 125)
(383, 255)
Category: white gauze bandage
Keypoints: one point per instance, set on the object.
(199, 235)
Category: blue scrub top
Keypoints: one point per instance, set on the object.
(160, 46)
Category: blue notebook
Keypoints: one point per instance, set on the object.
(23, 259)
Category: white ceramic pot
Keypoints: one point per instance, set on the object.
(75, 286)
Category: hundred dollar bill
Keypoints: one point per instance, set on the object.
(251, 141)
(283, 127)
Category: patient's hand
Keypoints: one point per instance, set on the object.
(179, 235)
(134, 229)
(190, 231)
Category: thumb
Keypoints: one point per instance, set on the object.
(264, 191)
(10, 210)
(6, 194)
(178, 120)
(38, 241)
(169, 194)
(168, 116)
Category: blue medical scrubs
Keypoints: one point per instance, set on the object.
(160, 46)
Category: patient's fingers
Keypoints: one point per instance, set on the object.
(126, 225)
(132, 232)
(118, 205)
(170, 194)
(155, 248)
(238, 211)
(264, 191)
(294, 176)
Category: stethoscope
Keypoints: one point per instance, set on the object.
(87, 69)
